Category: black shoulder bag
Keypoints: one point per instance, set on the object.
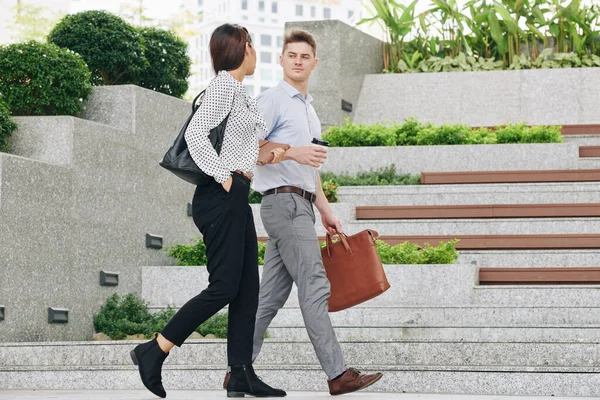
(178, 159)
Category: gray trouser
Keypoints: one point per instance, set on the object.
(293, 255)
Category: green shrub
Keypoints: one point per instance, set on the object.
(408, 253)
(351, 135)
(7, 127)
(111, 47)
(254, 197)
(120, 317)
(195, 254)
(129, 315)
(330, 190)
(43, 79)
(411, 133)
(192, 255)
(168, 62)
(380, 177)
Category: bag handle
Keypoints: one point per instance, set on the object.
(343, 239)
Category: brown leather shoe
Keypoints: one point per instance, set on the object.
(351, 381)
(226, 380)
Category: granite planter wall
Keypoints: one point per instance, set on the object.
(546, 96)
(78, 197)
(417, 159)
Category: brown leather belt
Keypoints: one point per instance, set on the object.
(293, 189)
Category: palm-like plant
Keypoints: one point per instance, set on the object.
(397, 21)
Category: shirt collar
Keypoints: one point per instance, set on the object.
(293, 92)
(230, 77)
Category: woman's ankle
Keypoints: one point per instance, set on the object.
(164, 344)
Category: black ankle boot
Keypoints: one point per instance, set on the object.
(149, 357)
(243, 381)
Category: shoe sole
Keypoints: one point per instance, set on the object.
(243, 394)
(360, 388)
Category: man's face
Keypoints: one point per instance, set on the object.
(298, 61)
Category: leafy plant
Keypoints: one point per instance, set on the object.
(409, 253)
(129, 315)
(7, 127)
(411, 133)
(330, 188)
(111, 47)
(380, 177)
(43, 79)
(254, 197)
(168, 65)
(195, 254)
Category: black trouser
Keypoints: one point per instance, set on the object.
(225, 220)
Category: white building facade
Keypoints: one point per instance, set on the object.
(265, 20)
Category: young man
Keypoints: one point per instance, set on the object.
(289, 190)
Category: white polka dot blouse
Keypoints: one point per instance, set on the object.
(240, 143)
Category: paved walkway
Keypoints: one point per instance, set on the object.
(220, 395)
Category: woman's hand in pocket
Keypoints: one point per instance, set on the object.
(227, 184)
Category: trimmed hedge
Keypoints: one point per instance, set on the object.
(406, 253)
(195, 254)
(111, 47)
(7, 127)
(43, 79)
(168, 62)
(129, 315)
(413, 133)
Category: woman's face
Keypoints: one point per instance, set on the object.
(250, 59)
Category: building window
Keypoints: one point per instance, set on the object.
(313, 12)
(279, 74)
(265, 40)
(261, 19)
(200, 3)
(250, 89)
(327, 13)
(244, 4)
(350, 14)
(263, 88)
(244, 18)
(299, 10)
(266, 74)
(279, 41)
(265, 57)
(274, 7)
(261, 6)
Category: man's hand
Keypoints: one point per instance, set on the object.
(307, 155)
(332, 225)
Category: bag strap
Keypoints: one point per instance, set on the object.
(343, 239)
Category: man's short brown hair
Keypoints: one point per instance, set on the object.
(299, 35)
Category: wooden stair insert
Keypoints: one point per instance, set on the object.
(589, 151)
(499, 242)
(478, 211)
(539, 276)
(469, 177)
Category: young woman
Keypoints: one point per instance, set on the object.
(222, 214)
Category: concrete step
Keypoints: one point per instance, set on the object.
(492, 226)
(530, 258)
(583, 140)
(592, 163)
(481, 380)
(416, 352)
(412, 332)
(447, 285)
(522, 193)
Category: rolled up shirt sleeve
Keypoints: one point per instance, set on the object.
(215, 106)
